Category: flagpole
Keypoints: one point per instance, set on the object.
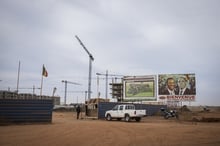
(41, 87)
(19, 64)
(44, 73)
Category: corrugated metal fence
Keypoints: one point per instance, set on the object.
(25, 111)
(150, 109)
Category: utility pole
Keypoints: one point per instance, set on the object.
(106, 84)
(65, 81)
(90, 66)
(106, 81)
(85, 95)
(80, 92)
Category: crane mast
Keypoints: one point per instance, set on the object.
(90, 66)
(65, 81)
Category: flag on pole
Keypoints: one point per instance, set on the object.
(44, 72)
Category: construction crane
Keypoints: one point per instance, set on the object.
(65, 81)
(106, 79)
(79, 92)
(54, 90)
(90, 66)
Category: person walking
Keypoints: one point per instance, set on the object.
(78, 110)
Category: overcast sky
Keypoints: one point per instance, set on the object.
(126, 37)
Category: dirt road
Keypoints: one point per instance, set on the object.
(65, 130)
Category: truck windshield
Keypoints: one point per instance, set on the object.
(115, 108)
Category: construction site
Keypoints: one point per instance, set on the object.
(193, 128)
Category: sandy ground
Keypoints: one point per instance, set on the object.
(65, 130)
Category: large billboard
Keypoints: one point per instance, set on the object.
(139, 88)
(179, 87)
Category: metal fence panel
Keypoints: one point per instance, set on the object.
(25, 111)
(150, 109)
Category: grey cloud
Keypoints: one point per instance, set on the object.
(125, 37)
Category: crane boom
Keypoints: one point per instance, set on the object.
(90, 55)
(90, 66)
(71, 82)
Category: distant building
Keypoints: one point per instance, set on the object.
(8, 95)
(117, 91)
(23, 96)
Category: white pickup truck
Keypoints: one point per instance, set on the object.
(126, 112)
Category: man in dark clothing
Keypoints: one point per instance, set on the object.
(182, 86)
(78, 111)
(170, 88)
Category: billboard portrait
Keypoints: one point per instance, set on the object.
(139, 88)
(177, 86)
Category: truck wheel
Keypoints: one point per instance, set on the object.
(127, 118)
(138, 119)
(109, 118)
